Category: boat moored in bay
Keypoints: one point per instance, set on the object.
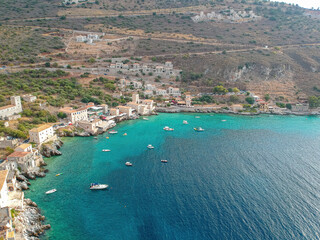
(51, 191)
(98, 186)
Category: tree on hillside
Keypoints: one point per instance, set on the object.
(250, 100)
(220, 89)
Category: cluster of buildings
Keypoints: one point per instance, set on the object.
(67, 2)
(163, 70)
(90, 38)
(150, 90)
(227, 16)
(95, 119)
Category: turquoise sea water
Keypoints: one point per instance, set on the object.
(244, 178)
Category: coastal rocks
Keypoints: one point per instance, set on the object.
(51, 149)
(29, 175)
(29, 221)
(23, 186)
(40, 174)
(21, 178)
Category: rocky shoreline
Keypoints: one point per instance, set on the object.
(224, 111)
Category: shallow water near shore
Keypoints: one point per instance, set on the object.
(249, 177)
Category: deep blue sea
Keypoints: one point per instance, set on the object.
(243, 178)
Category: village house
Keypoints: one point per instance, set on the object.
(150, 87)
(13, 109)
(3, 188)
(105, 109)
(95, 111)
(299, 107)
(148, 93)
(188, 100)
(161, 92)
(236, 107)
(143, 107)
(127, 110)
(114, 112)
(137, 84)
(21, 160)
(8, 142)
(41, 134)
(90, 126)
(75, 115)
(29, 98)
(175, 92)
(263, 107)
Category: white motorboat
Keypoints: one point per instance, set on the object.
(166, 128)
(150, 146)
(98, 186)
(199, 129)
(95, 138)
(185, 122)
(129, 164)
(51, 191)
(113, 132)
(164, 161)
(147, 119)
(223, 120)
(197, 117)
(106, 150)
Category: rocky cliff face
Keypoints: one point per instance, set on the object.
(51, 149)
(29, 222)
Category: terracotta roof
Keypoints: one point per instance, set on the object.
(147, 100)
(24, 146)
(41, 128)
(8, 106)
(125, 107)
(71, 110)
(18, 154)
(3, 177)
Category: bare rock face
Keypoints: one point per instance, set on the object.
(49, 150)
(24, 186)
(29, 221)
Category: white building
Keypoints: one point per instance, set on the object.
(22, 160)
(127, 110)
(161, 92)
(41, 134)
(81, 38)
(29, 98)
(3, 188)
(75, 115)
(114, 112)
(10, 110)
(174, 92)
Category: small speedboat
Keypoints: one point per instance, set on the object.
(51, 191)
(129, 164)
(95, 138)
(147, 119)
(113, 132)
(166, 128)
(98, 186)
(58, 174)
(223, 120)
(150, 146)
(185, 122)
(197, 117)
(164, 161)
(106, 150)
(199, 129)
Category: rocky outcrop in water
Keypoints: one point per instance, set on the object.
(51, 149)
(29, 221)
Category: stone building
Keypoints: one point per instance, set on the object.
(75, 115)
(10, 110)
(41, 134)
